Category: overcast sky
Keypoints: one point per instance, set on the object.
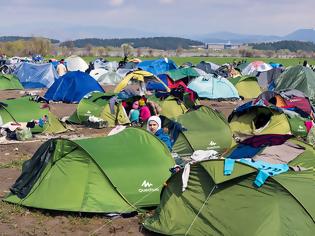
(69, 19)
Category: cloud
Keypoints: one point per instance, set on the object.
(116, 2)
(167, 1)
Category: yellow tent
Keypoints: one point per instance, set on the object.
(140, 76)
(247, 86)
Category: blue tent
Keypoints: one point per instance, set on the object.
(213, 87)
(158, 66)
(33, 75)
(157, 86)
(72, 87)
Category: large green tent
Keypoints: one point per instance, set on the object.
(97, 104)
(297, 77)
(247, 86)
(215, 204)
(24, 109)
(8, 82)
(119, 173)
(207, 129)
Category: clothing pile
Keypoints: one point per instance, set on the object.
(270, 154)
(95, 122)
(197, 156)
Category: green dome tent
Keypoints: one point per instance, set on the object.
(215, 204)
(207, 129)
(256, 120)
(97, 104)
(8, 82)
(297, 77)
(119, 173)
(246, 86)
(24, 109)
(171, 106)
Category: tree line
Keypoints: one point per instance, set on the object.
(16, 38)
(292, 46)
(28, 47)
(162, 43)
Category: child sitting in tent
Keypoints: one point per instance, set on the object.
(154, 126)
(144, 110)
(134, 113)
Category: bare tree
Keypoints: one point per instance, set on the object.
(102, 51)
(150, 52)
(89, 49)
(40, 46)
(179, 51)
(270, 53)
(127, 49)
(139, 52)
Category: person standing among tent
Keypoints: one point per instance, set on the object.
(61, 68)
(154, 126)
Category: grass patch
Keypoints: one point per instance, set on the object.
(217, 60)
(8, 212)
(15, 163)
(77, 220)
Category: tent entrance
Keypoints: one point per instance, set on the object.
(261, 121)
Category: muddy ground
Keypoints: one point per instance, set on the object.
(16, 220)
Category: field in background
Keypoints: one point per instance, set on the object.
(220, 60)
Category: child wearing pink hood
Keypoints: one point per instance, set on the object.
(144, 110)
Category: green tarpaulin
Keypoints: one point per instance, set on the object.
(181, 73)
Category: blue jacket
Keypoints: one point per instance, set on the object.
(165, 138)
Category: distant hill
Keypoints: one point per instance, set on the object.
(163, 43)
(302, 35)
(307, 35)
(225, 37)
(15, 38)
(293, 46)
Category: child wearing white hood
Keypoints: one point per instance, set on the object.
(154, 126)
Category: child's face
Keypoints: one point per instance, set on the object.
(135, 105)
(153, 126)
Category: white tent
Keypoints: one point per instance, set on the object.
(111, 65)
(97, 73)
(75, 63)
(254, 67)
(110, 78)
(123, 72)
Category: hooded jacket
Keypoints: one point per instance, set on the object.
(160, 133)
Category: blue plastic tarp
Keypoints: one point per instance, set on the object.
(33, 75)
